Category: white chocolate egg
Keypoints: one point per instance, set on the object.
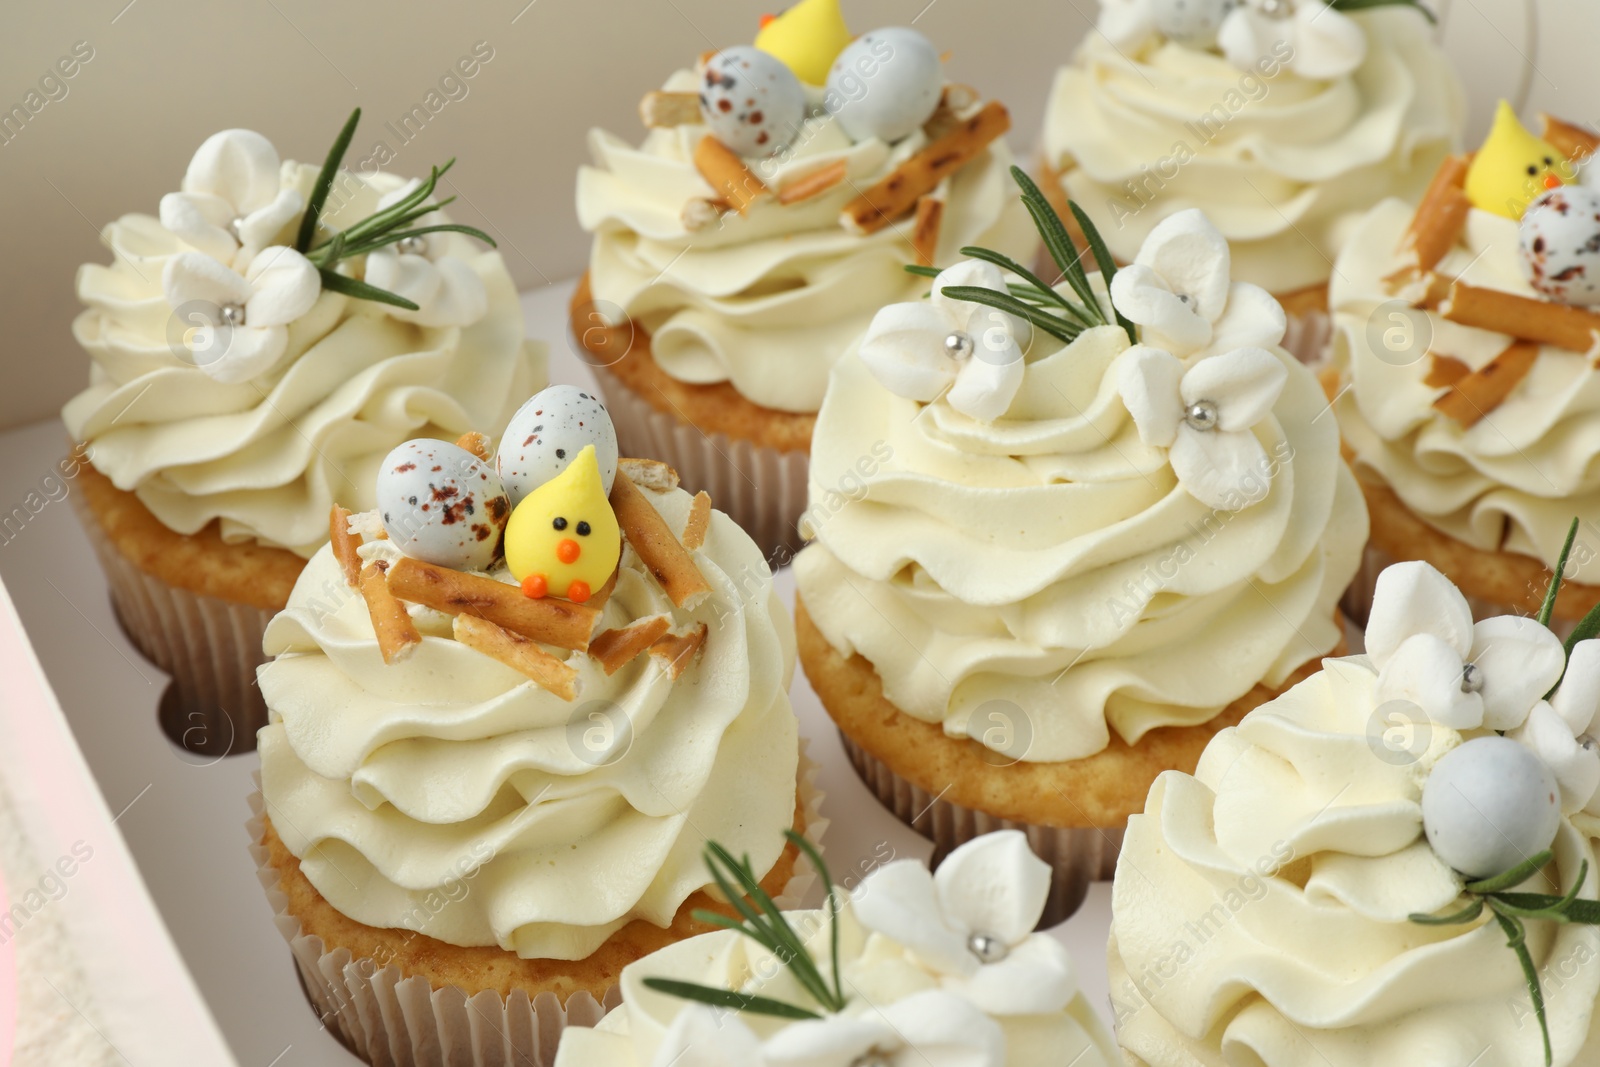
(1559, 239)
(885, 84)
(548, 432)
(1488, 805)
(441, 504)
(751, 101)
(1191, 22)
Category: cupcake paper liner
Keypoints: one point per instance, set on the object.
(390, 1020)
(1076, 856)
(762, 489)
(210, 647)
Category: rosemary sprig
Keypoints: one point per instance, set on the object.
(1050, 324)
(319, 192)
(1549, 606)
(1365, 5)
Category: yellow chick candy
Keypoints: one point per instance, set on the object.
(1514, 167)
(808, 38)
(563, 539)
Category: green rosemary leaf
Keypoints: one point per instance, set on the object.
(920, 271)
(1005, 262)
(400, 235)
(977, 294)
(783, 942)
(1585, 912)
(390, 216)
(1587, 628)
(1549, 606)
(1104, 259)
(1517, 940)
(1365, 5)
(1059, 242)
(800, 961)
(343, 283)
(834, 905)
(1465, 915)
(727, 998)
(1514, 877)
(319, 192)
(1552, 914)
(716, 918)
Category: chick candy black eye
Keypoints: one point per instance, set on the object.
(583, 529)
(1549, 162)
(1531, 170)
(561, 524)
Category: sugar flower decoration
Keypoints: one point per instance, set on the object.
(969, 353)
(1558, 731)
(972, 923)
(1204, 415)
(233, 196)
(1179, 289)
(446, 290)
(1322, 43)
(236, 325)
(1462, 674)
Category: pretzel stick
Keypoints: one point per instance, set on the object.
(677, 651)
(898, 193)
(660, 108)
(344, 544)
(925, 234)
(615, 649)
(476, 443)
(1445, 371)
(649, 474)
(662, 554)
(397, 634)
(603, 594)
(955, 99)
(1520, 316)
(1441, 214)
(1574, 142)
(727, 174)
(546, 620)
(518, 653)
(694, 530)
(816, 183)
(1485, 389)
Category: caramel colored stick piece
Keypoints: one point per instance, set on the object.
(1574, 142)
(649, 474)
(1519, 316)
(816, 183)
(547, 620)
(1422, 290)
(518, 653)
(397, 634)
(662, 553)
(603, 594)
(615, 649)
(1480, 392)
(661, 108)
(727, 174)
(898, 193)
(694, 531)
(1445, 371)
(925, 234)
(1441, 214)
(476, 443)
(677, 651)
(955, 99)
(345, 544)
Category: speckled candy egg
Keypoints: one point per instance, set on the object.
(548, 432)
(1191, 22)
(885, 84)
(1560, 244)
(751, 101)
(1488, 805)
(441, 504)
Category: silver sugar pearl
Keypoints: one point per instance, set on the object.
(1185, 299)
(1471, 679)
(231, 314)
(1588, 743)
(988, 948)
(1201, 415)
(958, 346)
(412, 246)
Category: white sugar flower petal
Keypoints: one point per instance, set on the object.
(700, 1037)
(1037, 978)
(200, 221)
(191, 277)
(1148, 381)
(1216, 467)
(1126, 23)
(240, 166)
(1518, 661)
(1576, 768)
(899, 901)
(261, 227)
(1146, 299)
(238, 354)
(1413, 598)
(284, 286)
(1252, 319)
(942, 1029)
(994, 885)
(1328, 44)
(402, 274)
(904, 350)
(1246, 36)
(394, 196)
(988, 381)
(1191, 256)
(1243, 384)
(1427, 671)
(970, 272)
(460, 301)
(1579, 696)
(836, 1041)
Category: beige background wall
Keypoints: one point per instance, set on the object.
(166, 73)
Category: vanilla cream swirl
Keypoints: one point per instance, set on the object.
(1282, 165)
(1260, 909)
(769, 300)
(269, 457)
(1514, 481)
(1051, 562)
(876, 972)
(449, 795)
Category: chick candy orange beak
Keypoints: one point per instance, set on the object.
(1552, 180)
(567, 550)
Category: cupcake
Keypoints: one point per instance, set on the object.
(494, 758)
(1057, 550)
(910, 969)
(1464, 359)
(1394, 862)
(767, 215)
(256, 351)
(1283, 120)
